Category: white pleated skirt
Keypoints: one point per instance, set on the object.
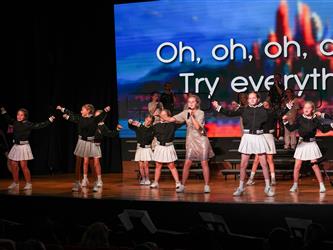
(87, 149)
(253, 144)
(143, 154)
(307, 151)
(20, 153)
(164, 154)
(271, 143)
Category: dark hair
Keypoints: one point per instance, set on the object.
(269, 103)
(25, 112)
(153, 93)
(151, 117)
(278, 74)
(96, 236)
(33, 244)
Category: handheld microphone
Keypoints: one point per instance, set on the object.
(188, 114)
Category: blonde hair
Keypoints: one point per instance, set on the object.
(89, 107)
(197, 99)
(312, 105)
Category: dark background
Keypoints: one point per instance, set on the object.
(59, 52)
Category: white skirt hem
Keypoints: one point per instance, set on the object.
(20, 153)
(165, 154)
(307, 151)
(253, 144)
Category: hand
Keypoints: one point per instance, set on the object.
(285, 118)
(65, 116)
(290, 104)
(215, 104)
(130, 121)
(191, 111)
(107, 109)
(51, 118)
(3, 110)
(136, 123)
(318, 114)
(119, 127)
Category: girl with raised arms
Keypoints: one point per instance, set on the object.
(21, 152)
(307, 149)
(86, 147)
(253, 141)
(144, 135)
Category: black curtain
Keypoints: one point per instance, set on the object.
(60, 52)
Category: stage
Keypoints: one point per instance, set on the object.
(126, 187)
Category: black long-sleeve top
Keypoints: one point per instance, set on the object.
(272, 118)
(87, 126)
(307, 128)
(165, 131)
(271, 121)
(144, 135)
(102, 131)
(254, 118)
(22, 129)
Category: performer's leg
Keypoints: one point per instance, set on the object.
(297, 168)
(243, 165)
(15, 170)
(254, 170)
(26, 171)
(186, 170)
(205, 170)
(319, 176)
(141, 169)
(93, 167)
(174, 171)
(271, 165)
(317, 172)
(263, 163)
(287, 139)
(158, 169)
(293, 140)
(98, 169)
(146, 170)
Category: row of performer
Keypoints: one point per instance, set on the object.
(155, 142)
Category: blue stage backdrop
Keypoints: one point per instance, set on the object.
(142, 27)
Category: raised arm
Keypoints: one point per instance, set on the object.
(133, 125)
(69, 115)
(105, 131)
(6, 116)
(290, 127)
(101, 117)
(231, 113)
(44, 124)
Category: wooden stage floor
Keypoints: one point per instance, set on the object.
(126, 187)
